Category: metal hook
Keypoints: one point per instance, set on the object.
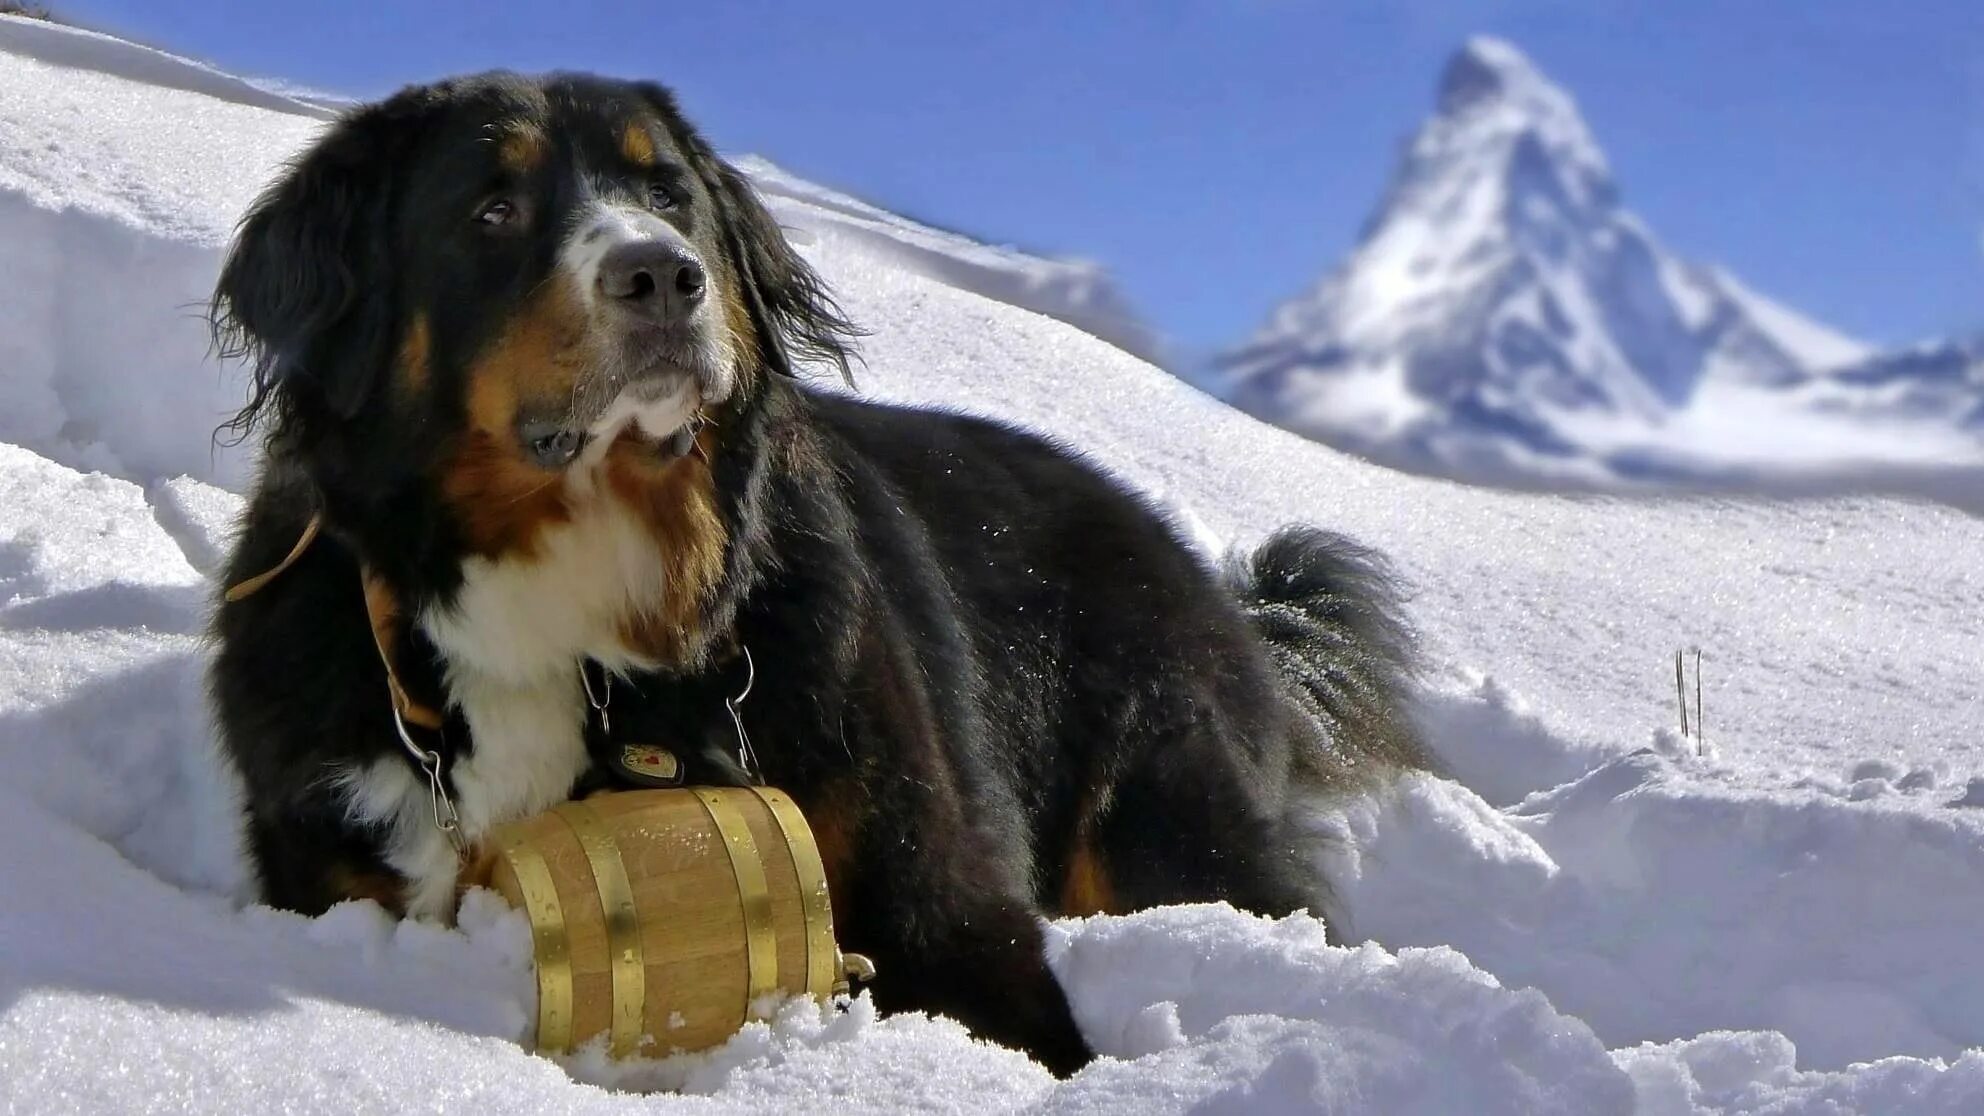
(446, 819)
(599, 704)
(747, 756)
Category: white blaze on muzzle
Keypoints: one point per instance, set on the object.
(603, 227)
(657, 385)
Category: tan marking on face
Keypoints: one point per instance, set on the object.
(676, 500)
(501, 500)
(637, 144)
(747, 353)
(522, 149)
(416, 350)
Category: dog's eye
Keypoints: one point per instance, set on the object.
(558, 449)
(554, 448)
(659, 197)
(499, 212)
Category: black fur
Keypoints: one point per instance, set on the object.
(977, 657)
(790, 308)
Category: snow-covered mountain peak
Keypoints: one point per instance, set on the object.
(1504, 314)
(1493, 101)
(1487, 69)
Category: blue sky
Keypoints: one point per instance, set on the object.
(1220, 156)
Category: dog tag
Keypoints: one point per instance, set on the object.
(647, 765)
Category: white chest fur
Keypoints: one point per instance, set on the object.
(519, 621)
(513, 644)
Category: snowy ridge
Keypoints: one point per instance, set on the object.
(1505, 318)
(1808, 343)
(1075, 291)
(64, 45)
(1597, 917)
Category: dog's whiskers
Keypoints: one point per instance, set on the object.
(527, 494)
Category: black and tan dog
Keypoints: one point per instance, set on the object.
(525, 350)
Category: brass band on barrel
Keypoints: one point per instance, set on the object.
(814, 905)
(760, 941)
(623, 924)
(547, 931)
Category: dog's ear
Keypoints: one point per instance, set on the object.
(791, 310)
(305, 294)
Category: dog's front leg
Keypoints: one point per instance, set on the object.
(948, 936)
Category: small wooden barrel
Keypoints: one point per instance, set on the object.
(658, 916)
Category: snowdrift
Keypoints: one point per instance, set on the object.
(1596, 916)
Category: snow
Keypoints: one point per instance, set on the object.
(110, 187)
(1076, 291)
(1810, 343)
(1595, 916)
(1505, 318)
(1615, 893)
(74, 48)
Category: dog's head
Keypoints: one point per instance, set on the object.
(489, 283)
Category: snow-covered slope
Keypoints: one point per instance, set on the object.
(1597, 917)
(1504, 317)
(1075, 291)
(122, 171)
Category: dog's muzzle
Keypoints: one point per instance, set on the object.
(659, 360)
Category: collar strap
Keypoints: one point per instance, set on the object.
(383, 614)
(382, 608)
(242, 590)
(382, 611)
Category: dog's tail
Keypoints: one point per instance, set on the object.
(1331, 614)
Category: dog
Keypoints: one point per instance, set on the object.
(540, 475)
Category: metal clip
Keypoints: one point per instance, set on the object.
(747, 756)
(599, 704)
(445, 818)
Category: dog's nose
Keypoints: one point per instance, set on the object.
(655, 279)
